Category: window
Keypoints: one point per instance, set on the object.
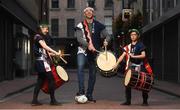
(108, 24)
(54, 3)
(170, 4)
(178, 1)
(55, 27)
(156, 9)
(108, 4)
(70, 27)
(71, 4)
(167, 5)
(91, 3)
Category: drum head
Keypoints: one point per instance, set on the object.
(127, 77)
(106, 62)
(62, 73)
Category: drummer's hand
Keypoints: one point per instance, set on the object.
(115, 67)
(52, 54)
(131, 55)
(91, 48)
(57, 53)
(105, 43)
(60, 53)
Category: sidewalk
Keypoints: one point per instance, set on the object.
(8, 88)
(11, 87)
(167, 87)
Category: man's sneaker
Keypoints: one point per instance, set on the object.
(80, 98)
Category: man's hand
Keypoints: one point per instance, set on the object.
(105, 43)
(115, 67)
(60, 53)
(131, 55)
(91, 47)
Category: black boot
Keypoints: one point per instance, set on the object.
(128, 96)
(54, 102)
(90, 98)
(145, 98)
(35, 103)
(53, 99)
(126, 103)
(145, 103)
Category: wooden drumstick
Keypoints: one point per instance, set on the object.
(62, 58)
(65, 54)
(106, 49)
(106, 53)
(98, 51)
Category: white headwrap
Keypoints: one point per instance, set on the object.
(88, 8)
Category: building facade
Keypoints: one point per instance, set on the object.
(65, 15)
(161, 34)
(18, 23)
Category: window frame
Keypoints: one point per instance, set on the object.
(71, 5)
(56, 4)
(70, 33)
(108, 25)
(107, 4)
(53, 33)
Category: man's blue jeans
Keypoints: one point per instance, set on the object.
(81, 61)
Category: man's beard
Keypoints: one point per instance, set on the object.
(45, 33)
(89, 17)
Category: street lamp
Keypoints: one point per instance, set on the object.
(126, 14)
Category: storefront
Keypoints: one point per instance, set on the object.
(16, 30)
(162, 38)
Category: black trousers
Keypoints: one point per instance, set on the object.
(41, 77)
(128, 95)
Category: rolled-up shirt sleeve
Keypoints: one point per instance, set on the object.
(81, 40)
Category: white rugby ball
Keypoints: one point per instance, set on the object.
(81, 99)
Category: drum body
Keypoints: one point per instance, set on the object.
(60, 76)
(138, 80)
(105, 62)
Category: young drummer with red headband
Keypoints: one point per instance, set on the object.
(135, 55)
